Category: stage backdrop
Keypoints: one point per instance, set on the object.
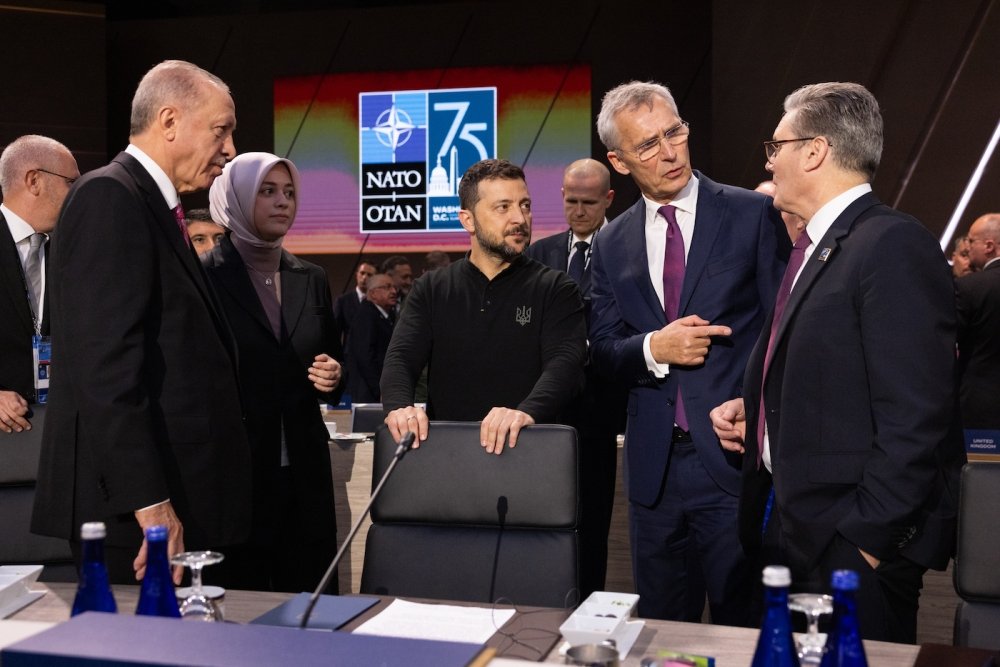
(381, 153)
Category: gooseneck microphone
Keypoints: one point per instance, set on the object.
(405, 444)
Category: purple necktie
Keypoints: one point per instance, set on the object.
(794, 264)
(673, 279)
(179, 217)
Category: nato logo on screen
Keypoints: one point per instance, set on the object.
(415, 145)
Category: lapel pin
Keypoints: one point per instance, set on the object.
(824, 254)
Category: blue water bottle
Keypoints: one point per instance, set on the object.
(843, 645)
(94, 591)
(157, 596)
(775, 644)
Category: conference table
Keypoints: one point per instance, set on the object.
(533, 628)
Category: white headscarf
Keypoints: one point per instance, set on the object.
(234, 195)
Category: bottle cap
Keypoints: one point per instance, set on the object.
(93, 530)
(777, 575)
(844, 580)
(156, 534)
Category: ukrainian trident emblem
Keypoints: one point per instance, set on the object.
(523, 315)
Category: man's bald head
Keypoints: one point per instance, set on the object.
(587, 194)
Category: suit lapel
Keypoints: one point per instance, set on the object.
(165, 222)
(13, 279)
(233, 278)
(711, 211)
(637, 264)
(825, 251)
(294, 284)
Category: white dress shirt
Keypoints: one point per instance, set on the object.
(22, 232)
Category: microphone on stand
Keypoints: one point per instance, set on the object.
(405, 443)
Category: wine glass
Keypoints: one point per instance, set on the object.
(811, 645)
(197, 606)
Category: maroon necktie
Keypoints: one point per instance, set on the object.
(179, 217)
(794, 264)
(673, 279)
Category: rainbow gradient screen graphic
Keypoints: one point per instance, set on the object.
(380, 153)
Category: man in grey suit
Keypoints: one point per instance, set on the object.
(144, 428)
(35, 175)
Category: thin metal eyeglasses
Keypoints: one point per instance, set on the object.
(69, 181)
(771, 148)
(675, 136)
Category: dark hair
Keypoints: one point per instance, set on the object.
(484, 170)
(198, 215)
(391, 263)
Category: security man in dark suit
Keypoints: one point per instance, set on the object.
(598, 414)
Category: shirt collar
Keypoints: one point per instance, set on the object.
(824, 218)
(19, 227)
(589, 237)
(686, 200)
(167, 188)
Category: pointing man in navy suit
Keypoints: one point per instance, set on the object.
(681, 284)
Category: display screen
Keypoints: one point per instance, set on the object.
(381, 153)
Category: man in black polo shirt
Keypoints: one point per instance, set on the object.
(503, 335)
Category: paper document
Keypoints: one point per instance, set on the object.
(474, 625)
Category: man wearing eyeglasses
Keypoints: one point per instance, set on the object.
(35, 175)
(681, 284)
(852, 454)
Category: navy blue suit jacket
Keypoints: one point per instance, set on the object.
(860, 397)
(734, 266)
(553, 251)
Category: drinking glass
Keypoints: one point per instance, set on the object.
(812, 644)
(197, 606)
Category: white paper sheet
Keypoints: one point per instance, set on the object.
(472, 625)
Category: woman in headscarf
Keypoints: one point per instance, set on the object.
(281, 315)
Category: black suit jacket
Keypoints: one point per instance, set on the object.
(553, 251)
(16, 324)
(978, 299)
(145, 403)
(345, 308)
(366, 348)
(276, 388)
(860, 397)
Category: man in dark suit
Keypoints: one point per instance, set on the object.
(35, 175)
(143, 426)
(855, 464)
(978, 298)
(681, 283)
(598, 414)
(345, 306)
(369, 339)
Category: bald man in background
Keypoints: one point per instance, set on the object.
(35, 175)
(598, 414)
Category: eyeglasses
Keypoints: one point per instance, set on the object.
(372, 289)
(675, 136)
(69, 181)
(771, 148)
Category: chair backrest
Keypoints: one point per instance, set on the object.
(367, 417)
(456, 523)
(977, 559)
(19, 454)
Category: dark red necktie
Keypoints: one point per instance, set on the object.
(179, 217)
(673, 279)
(794, 264)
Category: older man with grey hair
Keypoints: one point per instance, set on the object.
(846, 421)
(144, 428)
(681, 283)
(35, 175)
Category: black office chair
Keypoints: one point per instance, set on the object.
(18, 472)
(977, 560)
(367, 417)
(456, 523)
